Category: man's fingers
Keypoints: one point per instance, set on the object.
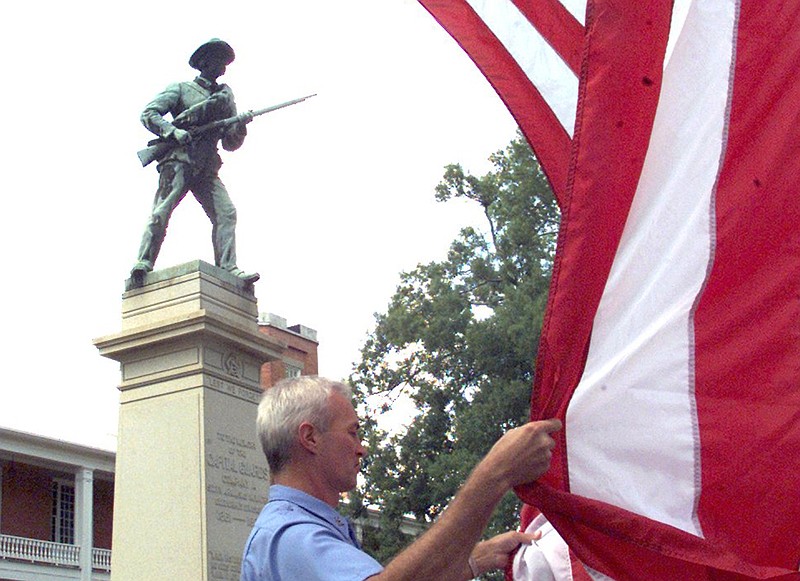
(530, 537)
(522, 538)
(551, 425)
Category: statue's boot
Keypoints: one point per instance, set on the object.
(138, 272)
(141, 268)
(247, 277)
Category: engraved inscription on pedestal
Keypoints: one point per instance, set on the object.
(235, 484)
(237, 481)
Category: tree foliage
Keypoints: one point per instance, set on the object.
(458, 339)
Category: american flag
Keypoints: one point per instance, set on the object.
(670, 134)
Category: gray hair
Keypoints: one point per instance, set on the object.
(285, 406)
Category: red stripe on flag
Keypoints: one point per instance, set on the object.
(748, 320)
(536, 120)
(631, 548)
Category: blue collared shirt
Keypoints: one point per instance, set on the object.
(298, 537)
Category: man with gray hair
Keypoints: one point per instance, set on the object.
(310, 434)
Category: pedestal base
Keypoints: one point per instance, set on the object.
(190, 474)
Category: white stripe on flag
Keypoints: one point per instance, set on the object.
(577, 8)
(550, 75)
(631, 424)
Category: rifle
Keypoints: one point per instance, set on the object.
(158, 148)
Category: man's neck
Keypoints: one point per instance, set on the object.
(297, 479)
(206, 82)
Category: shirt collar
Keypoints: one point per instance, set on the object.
(313, 505)
(206, 84)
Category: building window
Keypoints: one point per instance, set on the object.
(293, 371)
(63, 516)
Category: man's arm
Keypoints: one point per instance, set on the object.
(441, 554)
(153, 114)
(234, 135)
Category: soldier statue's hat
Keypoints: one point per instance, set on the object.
(214, 46)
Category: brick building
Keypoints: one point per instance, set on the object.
(57, 497)
(56, 505)
(300, 354)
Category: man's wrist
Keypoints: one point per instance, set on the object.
(492, 483)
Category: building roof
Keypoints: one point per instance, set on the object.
(36, 449)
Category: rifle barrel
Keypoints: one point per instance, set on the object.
(258, 112)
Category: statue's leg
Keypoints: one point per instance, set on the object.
(213, 196)
(172, 187)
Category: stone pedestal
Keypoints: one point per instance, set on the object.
(190, 474)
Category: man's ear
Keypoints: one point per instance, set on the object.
(308, 436)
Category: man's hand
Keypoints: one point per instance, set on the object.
(523, 454)
(494, 553)
(181, 136)
(238, 130)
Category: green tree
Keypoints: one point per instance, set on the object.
(459, 339)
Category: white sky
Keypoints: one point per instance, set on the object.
(335, 195)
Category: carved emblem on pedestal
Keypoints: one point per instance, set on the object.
(233, 365)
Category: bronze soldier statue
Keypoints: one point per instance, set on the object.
(190, 161)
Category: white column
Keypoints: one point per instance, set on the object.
(84, 507)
